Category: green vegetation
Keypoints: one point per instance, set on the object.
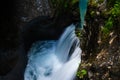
(113, 14)
(100, 22)
(107, 40)
(81, 73)
(107, 27)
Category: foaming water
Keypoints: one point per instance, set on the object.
(51, 59)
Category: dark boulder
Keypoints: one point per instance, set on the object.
(41, 28)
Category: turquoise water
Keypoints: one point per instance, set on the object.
(83, 9)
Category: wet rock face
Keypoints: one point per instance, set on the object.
(40, 28)
(8, 60)
(12, 64)
(8, 37)
(20, 24)
(14, 15)
(8, 30)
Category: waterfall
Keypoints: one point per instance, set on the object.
(83, 9)
(54, 59)
(65, 43)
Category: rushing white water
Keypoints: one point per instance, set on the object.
(54, 60)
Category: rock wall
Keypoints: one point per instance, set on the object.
(14, 16)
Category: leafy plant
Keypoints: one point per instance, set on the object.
(81, 73)
(108, 26)
(114, 13)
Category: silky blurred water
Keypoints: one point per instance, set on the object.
(83, 9)
(51, 59)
